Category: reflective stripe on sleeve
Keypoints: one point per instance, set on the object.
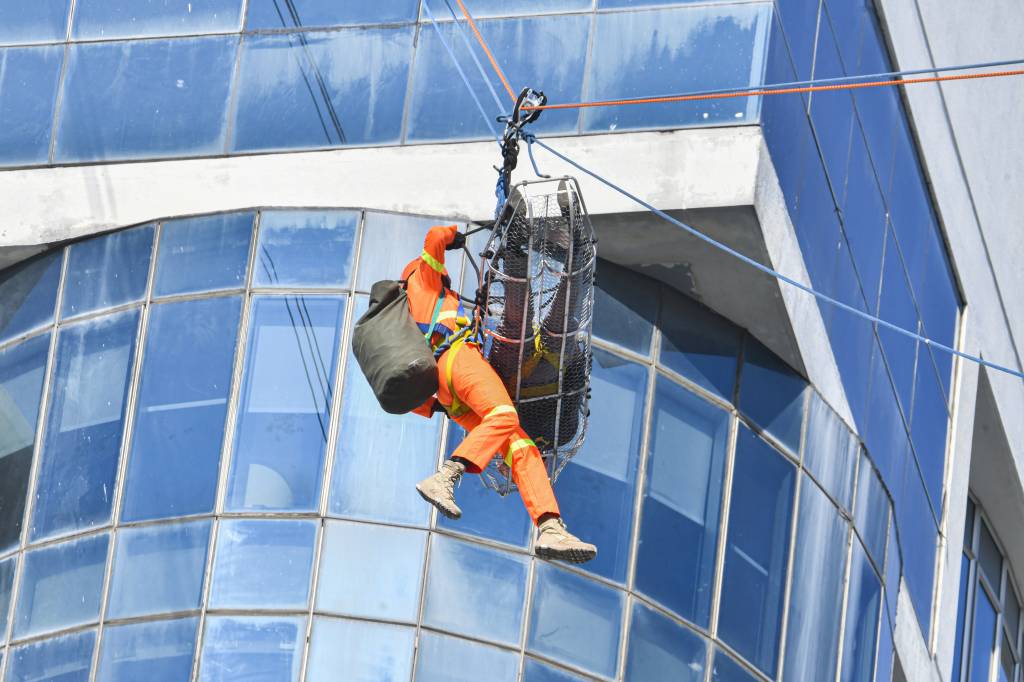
(432, 262)
(501, 409)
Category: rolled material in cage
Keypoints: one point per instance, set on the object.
(537, 317)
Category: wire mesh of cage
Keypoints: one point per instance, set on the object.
(538, 271)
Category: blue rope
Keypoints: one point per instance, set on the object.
(531, 139)
(472, 93)
(476, 60)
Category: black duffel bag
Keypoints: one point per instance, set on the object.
(392, 351)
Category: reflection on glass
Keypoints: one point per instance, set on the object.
(918, 536)
(597, 489)
(148, 651)
(772, 394)
(28, 92)
(311, 89)
(181, 407)
(872, 511)
(62, 659)
(108, 19)
(660, 649)
(82, 438)
(886, 652)
(487, 8)
(726, 669)
(149, 98)
(475, 591)
(371, 571)
(989, 557)
(366, 652)
(1006, 662)
(575, 620)
(625, 307)
(203, 254)
(264, 563)
(865, 211)
(699, 345)
(815, 608)
(61, 586)
(830, 451)
(158, 569)
(961, 613)
(107, 271)
(29, 292)
(730, 40)
(862, 607)
(984, 639)
(285, 405)
(307, 13)
(33, 22)
(535, 671)
(531, 50)
(242, 649)
(896, 306)
(758, 547)
(6, 582)
(928, 428)
(438, 654)
(305, 249)
(390, 241)
(682, 501)
(21, 385)
(393, 451)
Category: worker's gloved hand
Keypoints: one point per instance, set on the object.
(458, 241)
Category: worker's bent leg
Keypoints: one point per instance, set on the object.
(531, 476)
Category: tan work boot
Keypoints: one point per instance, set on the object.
(556, 542)
(439, 489)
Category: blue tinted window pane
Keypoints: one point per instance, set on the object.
(29, 292)
(879, 108)
(21, 385)
(322, 89)
(896, 306)
(182, 403)
(391, 241)
(799, 21)
(853, 339)
(699, 345)
(886, 435)
(832, 112)
(682, 502)
(535, 671)
(107, 271)
(263, 563)
(817, 224)
(475, 591)
(148, 651)
(755, 562)
(918, 534)
(830, 451)
(6, 581)
(285, 406)
(872, 511)
(62, 659)
(625, 307)
(864, 219)
(61, 586)
(893, 568)
(884, 659)
(726, 669)
(82, 439)
(928, 429)
(660, 649)
(815, 608)
(243, 649)
(158, 569)
(596, 492)
(548, 50)
(108, 19)
(984, 636)
(863, 602)
(33, 22)
(307, 13)
(360, 651)
(729, 38)
(450, 659)
(203, 254)
(575, 620)
(483, 513)
(28, 90)
(937, 297)
(303, 249)
(145, 99)
(772, 394)
(485, 8)
(371, 571)
(366, 432)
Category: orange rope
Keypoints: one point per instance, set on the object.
(779, 91)
(487, 50)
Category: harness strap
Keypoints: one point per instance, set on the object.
(436, 317)
(456, 409)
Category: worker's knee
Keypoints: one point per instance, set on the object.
(503, 418)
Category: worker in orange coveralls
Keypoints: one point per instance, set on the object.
(474, 396)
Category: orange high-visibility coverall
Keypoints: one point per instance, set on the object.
(490, 419)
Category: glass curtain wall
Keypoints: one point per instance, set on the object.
(198, 484)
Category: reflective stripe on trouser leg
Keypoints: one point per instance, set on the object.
(530, 476)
